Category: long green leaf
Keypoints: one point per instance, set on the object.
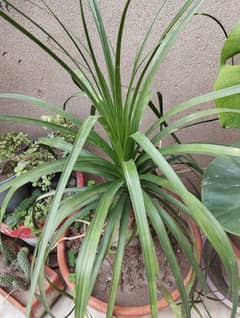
(166, 245)
(43, 105)
(87, 255)
(136, 196)
(69, 165)
(139, 104)
(80, 51)
(208, 224)
(202, 149)
(104, 39)
(117, 267)
(101, 79)
(175, 228)
(114, 218)
(34, 39)
(173, 127)
(94, 138)
(194, 102)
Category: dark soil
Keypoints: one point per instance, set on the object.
(133, 289)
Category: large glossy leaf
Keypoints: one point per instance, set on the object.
(229, 75)
(221, 191)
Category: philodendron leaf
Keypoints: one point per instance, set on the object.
(229, 75)
(221, 192)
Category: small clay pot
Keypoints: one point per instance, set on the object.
(133, 311)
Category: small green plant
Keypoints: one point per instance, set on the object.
(17, 275)
(12, 145)
(30, 213)
(62, 121)
(72, 256)
(19, 154)
(33, 157)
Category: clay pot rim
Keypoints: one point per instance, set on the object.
(133, 311)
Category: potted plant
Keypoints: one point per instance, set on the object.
(221, 179)
(12, 145)
(132, 296)
(19, 154)
(138, 174)
(15, 279)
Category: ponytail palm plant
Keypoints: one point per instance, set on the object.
(129, 160)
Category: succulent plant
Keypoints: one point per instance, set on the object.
(9, 253)
(59, 120)
(17, 274)
(23, 262)
(13, 281)
(19, 154)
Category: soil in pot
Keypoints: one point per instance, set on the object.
(133, 289)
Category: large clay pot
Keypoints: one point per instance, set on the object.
(134, 311)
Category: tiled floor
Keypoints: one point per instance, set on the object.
(63, 306)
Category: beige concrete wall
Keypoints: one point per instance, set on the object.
(189, 69)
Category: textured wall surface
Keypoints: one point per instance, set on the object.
(188, 71)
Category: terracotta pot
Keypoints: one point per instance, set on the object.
(17, 299)
(24, 233)
(134, 311)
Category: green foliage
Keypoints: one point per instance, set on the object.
(12, 281)
(9, 253)
(16, 218)
(71, 255)
(137, 174)
(18, 274)
(72, 278)
(19, 154)
(220, 191)
(33, 157)
(60, 120)
(228, 76)
(31, 213)
(23, 263)
(12, 145)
